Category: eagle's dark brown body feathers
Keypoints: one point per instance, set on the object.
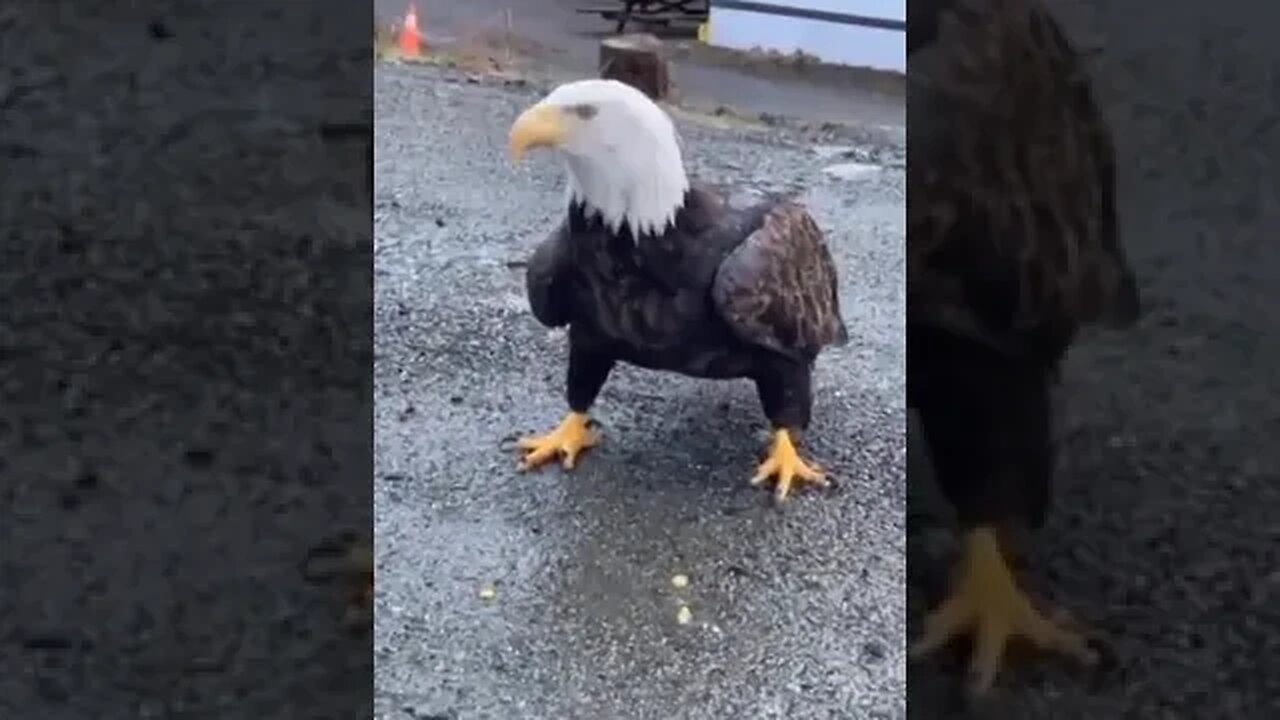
(728, 292)
(1013, 235)
(724, 281)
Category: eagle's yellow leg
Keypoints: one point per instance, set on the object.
(785, 463)
(568, 441)
(986, 603)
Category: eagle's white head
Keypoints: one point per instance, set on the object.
(622, 151)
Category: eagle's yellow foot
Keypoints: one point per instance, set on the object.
(568, 441)
(785, 463)
(987, 604)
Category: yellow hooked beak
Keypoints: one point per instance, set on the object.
(539, 126)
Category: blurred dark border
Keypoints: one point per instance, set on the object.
(1162, 536)
(185, 359)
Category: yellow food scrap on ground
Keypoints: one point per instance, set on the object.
(680, 581)
(685, 615)
(488, 593)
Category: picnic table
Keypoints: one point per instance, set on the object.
(652, 12)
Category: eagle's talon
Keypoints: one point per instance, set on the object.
(785, 463)
(573, 437)
(988, 605)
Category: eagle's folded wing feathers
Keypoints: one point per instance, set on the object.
(778, 289)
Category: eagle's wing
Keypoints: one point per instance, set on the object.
(544, 279)
(1012, 230)
(779, 288)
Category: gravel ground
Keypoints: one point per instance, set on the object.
(185, 274)
(1163, 536)
(797, 612)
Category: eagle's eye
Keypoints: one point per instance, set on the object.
(585, 111)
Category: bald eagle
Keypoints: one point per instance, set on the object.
(650, 269)
(1012, 248)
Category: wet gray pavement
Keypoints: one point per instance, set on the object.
(1163, 535)
(797, 612)
(567, 42)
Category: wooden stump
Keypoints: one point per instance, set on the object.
(639, 60)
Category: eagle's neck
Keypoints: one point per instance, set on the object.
(696, 212)
(641, 193)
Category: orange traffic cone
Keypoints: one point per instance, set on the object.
(410, 37)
